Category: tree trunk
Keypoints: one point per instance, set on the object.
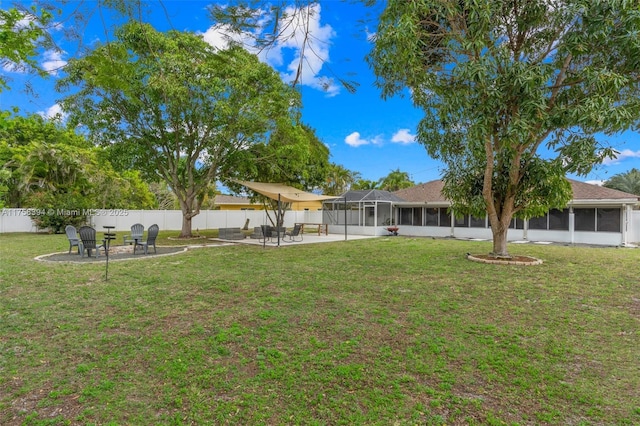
(500, 241)
(500, 229)
(186, 226)
(188, 212)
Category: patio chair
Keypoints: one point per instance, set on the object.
(136, 234)
(74, 240)
(267, 231)
(88, 239)
(152, 234)
(294, 233)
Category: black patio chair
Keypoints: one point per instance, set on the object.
(267, 233)
(89, 242)
(152, 234)
(294, 233)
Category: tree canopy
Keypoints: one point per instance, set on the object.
(338, 180)
(395, 181)
(627, 182)
(184, 111)
(47, 167)
(513, 94)
(293, 155)
(21, 33)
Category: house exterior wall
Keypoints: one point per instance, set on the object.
(237, 207)
(557, 226)
(307, 205)
(596, 238)
(629, 220)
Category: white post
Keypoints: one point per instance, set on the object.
(572, 223)
(452, 218)
(626, 216)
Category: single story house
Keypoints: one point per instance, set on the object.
(595, 215)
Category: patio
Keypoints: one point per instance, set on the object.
(121, 253)
(309, 238)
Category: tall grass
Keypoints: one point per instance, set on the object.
(381, 331)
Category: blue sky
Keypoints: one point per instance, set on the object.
(363, 132)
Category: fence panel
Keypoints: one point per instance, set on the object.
(634, 236)
(16, 220)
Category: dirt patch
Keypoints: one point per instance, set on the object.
(513, 260)
(115, 253)
(187, 239)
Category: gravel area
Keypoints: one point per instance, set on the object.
(115, 254)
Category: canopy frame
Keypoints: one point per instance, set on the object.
(282, 193)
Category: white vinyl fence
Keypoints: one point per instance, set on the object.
(635, 227)
(19, 220)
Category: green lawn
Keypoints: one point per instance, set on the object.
(381, 331)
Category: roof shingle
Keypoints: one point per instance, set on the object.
(431, 192)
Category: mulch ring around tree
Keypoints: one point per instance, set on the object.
(116, 253)
(514, 260)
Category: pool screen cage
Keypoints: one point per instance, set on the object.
(361, 208)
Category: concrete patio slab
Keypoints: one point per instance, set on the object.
(307, 239)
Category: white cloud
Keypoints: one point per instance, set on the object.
(403, 136)
(54, 112)
(53, 62)
(355, 140)
(221, 37)
(377, 140)
(300, 28)
(595, 182)
(27, 21)
(622, 155)
(10, 66)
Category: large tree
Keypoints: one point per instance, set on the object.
(395, 181)
(362, 184)
(186, 111)
(513, 93)
(50, 168)
(627, 182)
(293, 155)
(339, 180)
(38, 155)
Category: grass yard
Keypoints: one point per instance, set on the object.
(382, 331)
